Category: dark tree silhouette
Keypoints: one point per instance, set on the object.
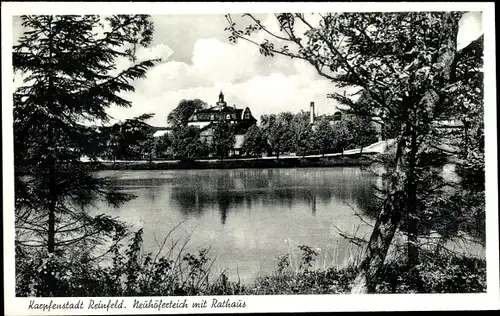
(183, 111)
(255, 142)
(223, 138)
(70, 78)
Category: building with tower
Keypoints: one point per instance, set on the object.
(241, 119)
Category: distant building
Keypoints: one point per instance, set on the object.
(240, 119)
(378, 123)
(339, 116)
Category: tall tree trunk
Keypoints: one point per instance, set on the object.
(51, 186)
(411, 214)
(51, 222)
(52, 159)
(385, 227)
(390, 215)
(466, 136)
(49, 284)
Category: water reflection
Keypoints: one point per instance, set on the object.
(231, 190)
(247, 216)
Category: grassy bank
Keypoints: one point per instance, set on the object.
(133, 273)
(289, 162)
(436, 274)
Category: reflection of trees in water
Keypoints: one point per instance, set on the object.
(151, 190)
(227, 190)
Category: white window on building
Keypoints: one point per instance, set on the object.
(228, 116)
(212, 117)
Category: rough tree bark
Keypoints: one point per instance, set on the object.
(48, 274)
(52, 194)
(390, 216)
(385, 227)
(411, 214)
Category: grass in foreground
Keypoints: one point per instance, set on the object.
(134, 274)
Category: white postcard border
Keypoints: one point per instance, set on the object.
(280, 303)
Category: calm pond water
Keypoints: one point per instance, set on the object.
(247, 216)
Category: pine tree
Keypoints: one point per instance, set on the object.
(70, 79)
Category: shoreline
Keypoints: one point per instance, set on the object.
(261, 163)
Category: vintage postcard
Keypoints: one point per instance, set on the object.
(174, 158)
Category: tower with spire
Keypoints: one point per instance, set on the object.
(241, 119)
(221, 104)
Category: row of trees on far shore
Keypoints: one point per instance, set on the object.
(276, 134)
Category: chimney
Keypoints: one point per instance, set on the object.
(312, 113)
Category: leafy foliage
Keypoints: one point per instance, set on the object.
(255, 142)
(127, 140)
(278, 131)
(131, 273)
(302, 140)
(135, 273)
(223, 138)
(308, 256)
(363, 132)
(437, 274)
(186, 142)
(342, 136)
(184, 110)
(164, 146)
(325, 137)
(406, 70)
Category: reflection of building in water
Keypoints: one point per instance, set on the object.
(223, 214)
(224, 202)
(240, 119)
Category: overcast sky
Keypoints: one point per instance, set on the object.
(198, 61)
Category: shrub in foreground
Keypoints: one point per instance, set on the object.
(132, 273)
(129, 273)
(436, 274)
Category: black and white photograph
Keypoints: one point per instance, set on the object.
(188, 158)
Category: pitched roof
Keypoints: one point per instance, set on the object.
(215, 113)
(238, 128)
